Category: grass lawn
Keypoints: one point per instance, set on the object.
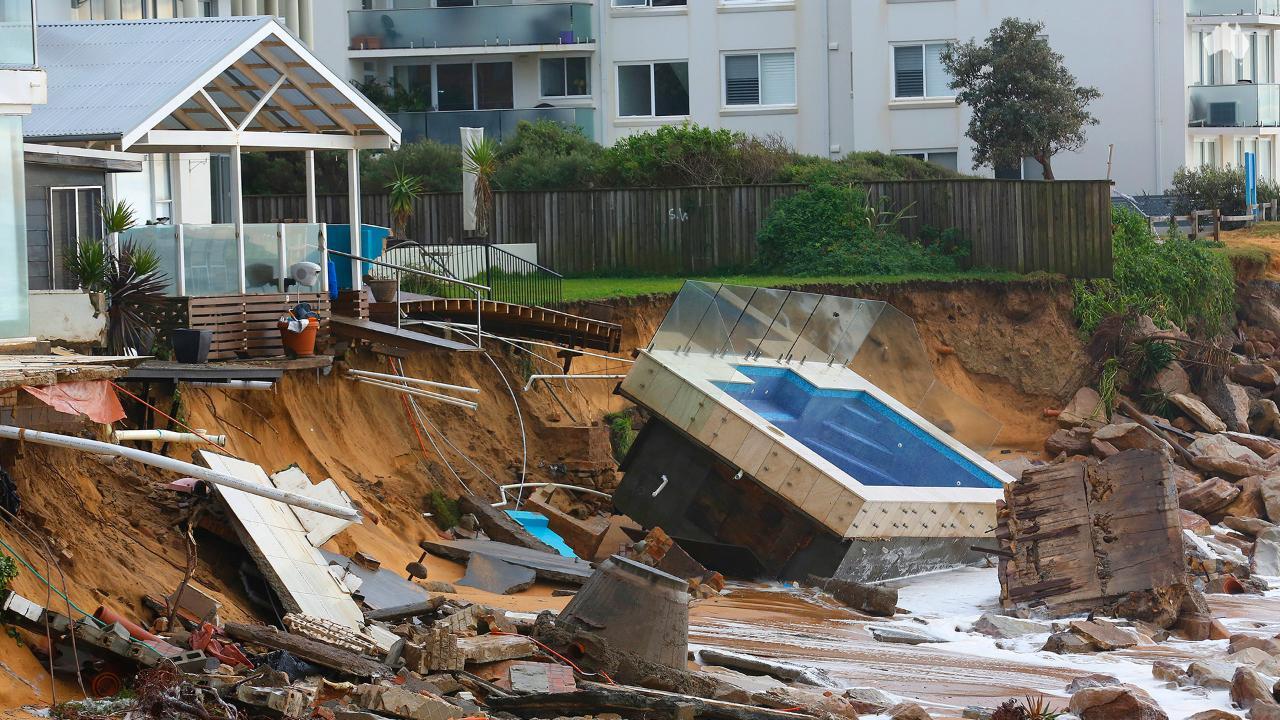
(1254, 250)
(596, 288)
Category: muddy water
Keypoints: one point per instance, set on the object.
(967, 669)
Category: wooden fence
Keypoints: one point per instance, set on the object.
(1062, 226)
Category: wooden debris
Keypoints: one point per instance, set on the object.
(310, 650)
(553, 568)
(595, 699)
(1083, 534)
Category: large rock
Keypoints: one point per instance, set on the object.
(1212, 674)
(1208, 497)
(1070, 442)
(1214, 715)
(1228, 401)
(1218, 454)
(1067, 643)
(908, 711)
(1270, 490)
(1128, 436)
(1193, 408)
(1195, 523)
(1255, 375)
(1249, 504)
(1172, 379)
(1266, 554)
(1091, 681)
(1103, 635)
(1003, 626)
(1085, 408)
(1265, 712)
(1260, 305)
(1249, 689)
(1251, 526)
(901, 635)
(403, 703)
(1115, 703)
(870, 700)
(1184, 479)
(1263, 416)
(1264, 446)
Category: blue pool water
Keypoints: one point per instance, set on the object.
(536, 523)
(854, 431)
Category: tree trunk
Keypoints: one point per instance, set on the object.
(1046, 162)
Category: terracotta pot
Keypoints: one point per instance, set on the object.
(385, 290)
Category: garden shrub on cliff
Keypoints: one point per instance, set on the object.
(1181, 281)
(829, 230)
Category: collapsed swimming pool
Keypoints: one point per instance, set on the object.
(853, 430)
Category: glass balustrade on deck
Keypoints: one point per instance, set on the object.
(17, 34)
(1242, 105)
(480, 26)
(443, 126)
(1233, 7)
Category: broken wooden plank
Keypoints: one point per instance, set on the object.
(310, 650)
(549, 567)
(404, 612)
(595, 699)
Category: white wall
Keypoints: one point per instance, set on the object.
(700, 34)
(1114, 46)
(67, 316)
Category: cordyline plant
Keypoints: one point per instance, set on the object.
(481, 159)
(135, 290)
(1025, 102)
(404, 191)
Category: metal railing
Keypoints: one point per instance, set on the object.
(509, 277)
(398, 272)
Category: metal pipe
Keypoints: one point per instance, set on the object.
(418, 393)
(533, 378)
(167, 436)
(588, 491)
(415, 381)
(9, 432)
(231, 384)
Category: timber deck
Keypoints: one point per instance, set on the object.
(37, 370)
(535, 323)
(360, 329)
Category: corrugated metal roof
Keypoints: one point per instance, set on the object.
(107, 78)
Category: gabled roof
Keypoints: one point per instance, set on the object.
(233, 80)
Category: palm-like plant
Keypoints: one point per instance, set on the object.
(136, 290)
(117, 216)
(88, 264)
(404, 192)
(481, 159)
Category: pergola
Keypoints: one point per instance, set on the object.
(221, 85)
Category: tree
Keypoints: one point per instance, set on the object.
(1025, 102)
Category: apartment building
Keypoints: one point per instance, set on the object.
(22, 85)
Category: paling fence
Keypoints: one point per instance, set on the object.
(1020, 226)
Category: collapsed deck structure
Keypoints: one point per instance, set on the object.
(799, 434)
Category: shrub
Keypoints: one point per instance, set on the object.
(860, 167)
(621, 434)
(438, 165)
(1180, 281)
(833, 231)
(547, 155)
(1214, 188)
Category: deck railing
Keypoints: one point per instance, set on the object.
(510, 277)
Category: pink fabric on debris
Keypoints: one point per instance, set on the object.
(94, 399)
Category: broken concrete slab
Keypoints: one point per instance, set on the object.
(406, 704)
(1266, 553)
(500, 527)
(488, 573)
(379, 588)
(492, 648)
(1004, 626)
(547, 566)
(758, 666)
(537, 677)
(902, 635)
(320, 528)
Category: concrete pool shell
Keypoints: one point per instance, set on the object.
(723, 351)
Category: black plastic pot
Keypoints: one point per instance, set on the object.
(191, 346)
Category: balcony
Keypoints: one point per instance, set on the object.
(484, 26)
(1243, 105)
(443, 126)
(1232, 7)
(17, 34)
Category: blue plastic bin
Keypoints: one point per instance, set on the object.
(372, 240)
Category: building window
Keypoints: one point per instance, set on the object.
(649, 3)
(1207, 153)
(760, 79)
(653, 89)
(947, 158)
(161, 186)
(918, 71)
(1262, 150)
(73, 217)
(566, 77)
(149, 9)
(1257, 63)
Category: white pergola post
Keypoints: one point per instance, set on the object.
(190, 8)
(180, 282)
(271, 7)
(282, 272)
(237, 212)
(311, 186)
(111, 9)
(353, 212)
(289, 8)
(237, 7)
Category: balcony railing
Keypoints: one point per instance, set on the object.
(1243, 105)
(17, 34)
(201, 260)
(481, 26)
(443, 126)
(1233, 7)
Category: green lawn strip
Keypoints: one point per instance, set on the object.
(603, 288)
